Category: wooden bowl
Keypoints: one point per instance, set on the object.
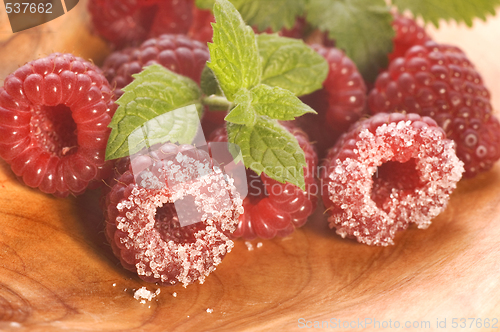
(57, 272)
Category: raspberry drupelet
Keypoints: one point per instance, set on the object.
(439, 81)
(54, 114)
(142, 219)
(273, 208)
(388, 171)
(340, 102)
(408, 34)
(177, 53)
(130, 22)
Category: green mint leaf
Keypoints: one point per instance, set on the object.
(234, 56)
(268, 147)
(177, 126)
(243, 113)
(291, 64)
(458, 10)
(278, 103)
(154, 91)
(264, 14)
(362, 28)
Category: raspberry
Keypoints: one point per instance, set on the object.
(408, 34)
(298, 31)
(130, 22)
(143, 225)
(54, 114)
(387, 172)
(178, 53)
(273, 208)
(440, 82)
(339, 104)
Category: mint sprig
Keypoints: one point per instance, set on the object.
(154, 91)
(258, 102)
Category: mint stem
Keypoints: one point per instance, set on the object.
(217, 103)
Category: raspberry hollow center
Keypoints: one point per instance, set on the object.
(54, 129)
(394, 176)
(167, 223)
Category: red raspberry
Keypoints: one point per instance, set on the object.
(439, 81)
(408, 34)
(298, 31)
(54, 114)
(339, 104)
(178, 53)
(273, 208)
(143, 225)
(130, 22)
(387, 172)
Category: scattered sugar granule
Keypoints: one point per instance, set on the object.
(259, 245)
(114, 285)
(249, 245)
(174, 294)
(210, 310)
(144, 294)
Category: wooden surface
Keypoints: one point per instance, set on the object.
(57, 274)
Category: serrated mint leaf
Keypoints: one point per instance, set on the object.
(234, 57)
(291, 64)
(457, 10)
(278, 103)
(177, 126)
(362, 28)
(268, 147)
(243, 113)
(154, 91)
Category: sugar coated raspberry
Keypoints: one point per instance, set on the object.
(440, 82)
(408, 34)
(387, 172)
(273, 208)
(145, 207)
(340, 102)
(177, 53)
(130, 22)
(54, 114)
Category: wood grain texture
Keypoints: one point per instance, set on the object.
(57, 273)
